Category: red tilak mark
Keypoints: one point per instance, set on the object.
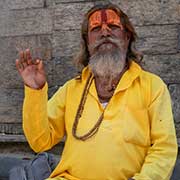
(103, 16)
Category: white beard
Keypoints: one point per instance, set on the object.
(107, 64)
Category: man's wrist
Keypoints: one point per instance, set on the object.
(35, 87)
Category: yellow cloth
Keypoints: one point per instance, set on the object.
(57, 178)
(136, 138)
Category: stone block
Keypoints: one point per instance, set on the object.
(141, 12)
(159, 39)
(64, 70)
(66, 43)
(10, 114)
(146, 12)
(166, 66)
(25, 4)
(179, 37)
(41, 47)
(70, 15)
(11, 101)
(177, 125)
(175, 95)
(11, 128)
(11, 97)
(55, 2)
(4, 5)
(26, 22)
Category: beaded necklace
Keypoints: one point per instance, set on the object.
(94, 130)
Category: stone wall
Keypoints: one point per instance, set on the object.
(51, 29)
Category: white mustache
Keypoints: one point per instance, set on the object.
(98, 43)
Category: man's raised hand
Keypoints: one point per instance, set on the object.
(32, 72)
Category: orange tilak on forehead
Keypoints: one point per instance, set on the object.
(106, 16)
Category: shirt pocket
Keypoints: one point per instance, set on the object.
(136, 126)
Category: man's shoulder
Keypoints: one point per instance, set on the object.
(146, 77)
(152, 78)
(73, 82)
(79, 79)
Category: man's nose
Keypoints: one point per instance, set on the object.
(105, 30)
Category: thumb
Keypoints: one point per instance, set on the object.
(40, 65)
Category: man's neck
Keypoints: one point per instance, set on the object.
(106, 86)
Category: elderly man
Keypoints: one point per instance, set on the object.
(117, 117)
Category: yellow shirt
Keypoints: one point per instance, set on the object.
(136, 137)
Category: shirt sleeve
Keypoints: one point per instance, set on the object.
(43, 120)
(162, 153)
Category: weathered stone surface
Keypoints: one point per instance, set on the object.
(141, 12)
(52, 90)
(10, 114)
(24, 4)
(70, 16)
(179, 36)
(64, 70)
(167, 67)
(152, 40)
(41, 47)
(161, 39)
(14, 128)
(11, 101)
(146, 12)
(66, 43)
(177, 125)
(175, 95)
(4, 5)
(27, 22)
(51, 28)
(55, 2)
(11, 97)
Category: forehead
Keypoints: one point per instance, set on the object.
(104, 16)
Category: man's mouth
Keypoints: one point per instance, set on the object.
(106, 45)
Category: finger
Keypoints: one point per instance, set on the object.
(24, 64)
(25, 56)
(36, 61)
(40, 65)
(28, 56)
(19, 66)
(29, 61)
(21, 56)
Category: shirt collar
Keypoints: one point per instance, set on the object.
(129, 76)
(126, 80)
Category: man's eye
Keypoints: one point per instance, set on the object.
(95, 29)
(113, 26)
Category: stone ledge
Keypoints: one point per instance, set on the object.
(7, 138)
(12, 138)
